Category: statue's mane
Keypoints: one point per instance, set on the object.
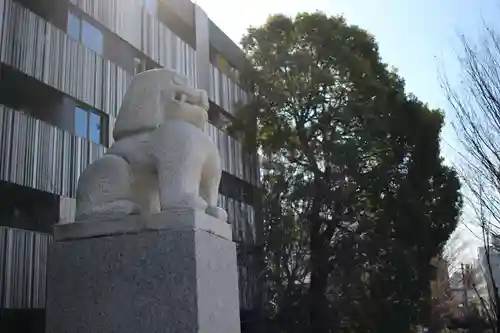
(140, 110)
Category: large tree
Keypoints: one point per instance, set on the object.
(357, 194)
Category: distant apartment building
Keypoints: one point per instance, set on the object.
(65, 66)
(463, 295)
(467, 291)
(489, 272)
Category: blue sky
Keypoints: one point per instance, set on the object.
(417, 37)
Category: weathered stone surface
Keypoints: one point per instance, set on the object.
(182, 219)
(161, 158)
(165, 281)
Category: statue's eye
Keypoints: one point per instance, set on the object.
(177, 80)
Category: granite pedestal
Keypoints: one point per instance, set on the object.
(170, 272)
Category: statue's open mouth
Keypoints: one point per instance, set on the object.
(199, 99)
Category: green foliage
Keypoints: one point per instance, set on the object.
(358, 201)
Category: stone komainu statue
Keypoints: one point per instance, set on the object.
(161, 159)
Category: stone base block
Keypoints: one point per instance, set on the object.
(180, 280)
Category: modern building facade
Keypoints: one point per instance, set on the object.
(489, 272)
(65, 67)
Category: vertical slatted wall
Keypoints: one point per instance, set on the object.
(23, 264)
(224, 91)
(234, 159)
(127, 19)
(46, 53)
(38, 155)
(40, 50)
(41, 156)
(161, 45)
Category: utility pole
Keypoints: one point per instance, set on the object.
(466, 299)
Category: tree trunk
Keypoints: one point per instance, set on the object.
(319, 307)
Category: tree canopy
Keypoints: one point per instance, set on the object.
(357, 199)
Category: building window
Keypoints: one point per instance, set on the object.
(92, 37)
(81, 122)
(74, 24)
(85, 33)
(95, 133)
(89, 124)
(151, 6)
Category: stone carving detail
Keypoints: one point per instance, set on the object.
(161, 159)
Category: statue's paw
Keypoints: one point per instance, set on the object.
(217, 212)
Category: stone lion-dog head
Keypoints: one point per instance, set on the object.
(157, 96)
